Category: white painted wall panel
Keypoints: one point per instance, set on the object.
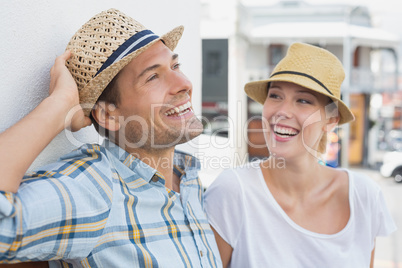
(33, 33)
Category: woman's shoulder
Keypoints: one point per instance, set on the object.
(362, 184)
(362, 180)
(355, 178)
(349, 183)
(369, 199)
(242, 173)
(237, 177)
(253, 166)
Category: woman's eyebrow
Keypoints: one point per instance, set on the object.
(307, 92)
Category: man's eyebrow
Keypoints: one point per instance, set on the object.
(150, 68)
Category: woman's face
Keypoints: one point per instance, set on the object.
(294, 120)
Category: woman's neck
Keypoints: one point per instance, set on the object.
(295, 178)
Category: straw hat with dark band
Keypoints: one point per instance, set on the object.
(310, 67)
(103, 46)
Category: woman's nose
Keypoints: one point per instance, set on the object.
(285, 110)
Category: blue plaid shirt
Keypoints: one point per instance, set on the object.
(99, 206)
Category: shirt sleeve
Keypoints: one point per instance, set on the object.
(58, 212)
(224, 206)
(385, 223)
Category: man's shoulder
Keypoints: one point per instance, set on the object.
(88, 165)
(79, 159)
(88, 151)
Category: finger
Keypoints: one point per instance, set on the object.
(66, 55)
(63, 57)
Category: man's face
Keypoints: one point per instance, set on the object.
(155, 110)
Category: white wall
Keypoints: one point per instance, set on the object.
(33, 33)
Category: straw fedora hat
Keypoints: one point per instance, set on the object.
(310, 67)
(103, 46)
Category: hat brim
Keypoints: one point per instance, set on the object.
(91, 92)
(258, 90)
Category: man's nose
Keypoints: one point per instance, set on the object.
(179, 83)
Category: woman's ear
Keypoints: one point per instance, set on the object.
(106, 116)
(332, 122)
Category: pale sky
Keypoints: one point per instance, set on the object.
(386, 14)
(375, 5)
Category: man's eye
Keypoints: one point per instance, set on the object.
(152, 77)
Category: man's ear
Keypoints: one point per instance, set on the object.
(105, 115)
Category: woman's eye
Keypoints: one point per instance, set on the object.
(273, 96)
(176, 66)
(304, 101)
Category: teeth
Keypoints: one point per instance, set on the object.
(285, 131)
(179, 110)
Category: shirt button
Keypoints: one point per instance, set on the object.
(155, 178)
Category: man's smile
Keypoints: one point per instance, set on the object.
(180, 110)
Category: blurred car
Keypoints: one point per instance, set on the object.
(394, 138)
(392, 165)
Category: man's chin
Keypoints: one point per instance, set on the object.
(189, 137)
(193, 130)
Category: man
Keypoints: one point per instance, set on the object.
(132, 202)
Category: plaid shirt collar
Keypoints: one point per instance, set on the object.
(183, 163)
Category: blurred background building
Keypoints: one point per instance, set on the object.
(243, 43)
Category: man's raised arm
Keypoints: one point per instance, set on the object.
(23, 142)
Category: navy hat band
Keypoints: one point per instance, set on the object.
(132, 44)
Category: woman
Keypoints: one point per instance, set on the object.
(290, 210)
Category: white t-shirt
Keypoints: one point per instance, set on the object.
(243, 211)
